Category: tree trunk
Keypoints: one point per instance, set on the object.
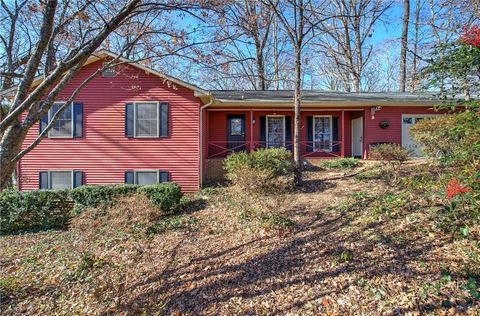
(275, 53)
(403, 51)
(296, 135)
(10, 146)
(413, 84)
(356, 83)
(261, 69)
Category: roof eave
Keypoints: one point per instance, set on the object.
(101, 54)
(320, 103)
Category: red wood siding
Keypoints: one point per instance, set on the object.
(374, 133)
(217, 126)
(104, 153)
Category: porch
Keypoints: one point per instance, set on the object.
(324, 133)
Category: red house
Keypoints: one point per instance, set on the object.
(135, 125)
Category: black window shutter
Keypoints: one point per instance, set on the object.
(263, 136)
(77, 119)
(77, 178)
(163, 176)
(43, 180)
(309, 134)
(129, 177)
(288, 132)
(163, 113)
(42, 124)
(129, 108)
(335, 133)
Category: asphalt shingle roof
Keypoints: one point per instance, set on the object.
(319, 96)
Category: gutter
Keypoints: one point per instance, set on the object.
(201, 136)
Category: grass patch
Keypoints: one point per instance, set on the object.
(265, 219)
(342, 163)
(372, 174)
(172, 223)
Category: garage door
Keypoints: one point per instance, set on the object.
(408, 120)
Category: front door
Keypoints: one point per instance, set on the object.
(357, 137)
(275, 131)
(236, 132)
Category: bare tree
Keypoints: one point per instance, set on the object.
(416, 41)
(67, 35)
(299, 19)
(345, 39)
(403, 52)
(244, 28)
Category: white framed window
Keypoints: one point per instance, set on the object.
(145, 177)
(145, 119)
(109, 72)
(63, 126)
(59, 180)
(322, 132)
(275, 131)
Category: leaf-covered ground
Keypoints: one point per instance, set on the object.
(346, 244)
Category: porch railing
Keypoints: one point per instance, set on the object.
(220, 149)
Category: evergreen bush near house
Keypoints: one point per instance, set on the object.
(393, 156)
(261, 170)
(47, 209)
(165, 196)
(89, 196)
(454, 139)
(34, 210)
(342, 163)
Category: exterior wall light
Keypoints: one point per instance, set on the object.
(373, 110)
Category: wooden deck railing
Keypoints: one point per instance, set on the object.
(220, 149)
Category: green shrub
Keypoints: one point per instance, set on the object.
(260, 170)
(34, 210)
(342, 163)
(454, 139)
(47, 209)
(88, 196)
(165, 196)
(371, 174)
(393, 156)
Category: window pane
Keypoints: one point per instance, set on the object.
(236, 127)
(147, 177)
(418, 119)
(147, 119)
(321, 133)
(275, 132)
(63, 125)
(61, 180)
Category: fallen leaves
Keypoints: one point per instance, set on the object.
(335, 264)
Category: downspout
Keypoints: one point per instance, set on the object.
(201, 136)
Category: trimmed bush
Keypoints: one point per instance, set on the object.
(342, 163)
(393, 156)
(47, 209)
(165, 196)
(34, 210)
(88, 196)
(454, 139)
(260, 170)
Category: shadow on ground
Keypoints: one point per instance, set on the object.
(309, 259)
